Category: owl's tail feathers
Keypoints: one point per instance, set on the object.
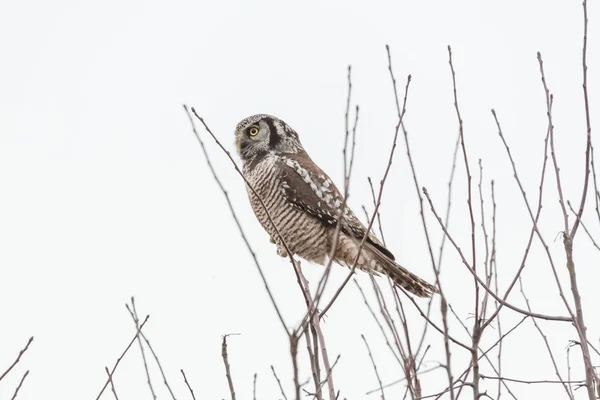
(400, 275)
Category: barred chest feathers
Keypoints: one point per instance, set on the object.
(303, 234)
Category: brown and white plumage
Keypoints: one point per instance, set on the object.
(305, 204)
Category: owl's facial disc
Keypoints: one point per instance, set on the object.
(262, 133)
(252, 138)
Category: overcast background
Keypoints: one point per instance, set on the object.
(105, 194)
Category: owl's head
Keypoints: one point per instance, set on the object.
(262, 133)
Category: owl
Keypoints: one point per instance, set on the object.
(305, 205)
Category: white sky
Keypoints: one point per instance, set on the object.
(105, 193)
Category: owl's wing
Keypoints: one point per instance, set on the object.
(308, 188)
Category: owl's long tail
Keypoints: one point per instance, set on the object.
(373, 261)
(400, 275)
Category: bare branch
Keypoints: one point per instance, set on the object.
(374, 367)
(545, 339)
(315, 322)
(590, 374)
(588, 122)
(501, 378)
(494, 268)
(336, 395)
(443, 332)
(112, 372)
(136, 320)
(474, 354)
(534, 219)
(112, 384)
(278, 383)
(381, 328)
(18, 358)
(491, 292)
(477, 329)
(190, 388)
(14, 396)
(378, 213)
(549, 101)
(143, 336)
(584, 227)
(382, 184)
(253, 387)
(237, 222)
(227, 369)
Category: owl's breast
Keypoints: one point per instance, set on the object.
(266, 180)
(303, 234)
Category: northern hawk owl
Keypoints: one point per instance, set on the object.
(305, 204)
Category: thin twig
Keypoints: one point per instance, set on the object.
(133, 314)
(588, 122)
(483, 285)
(18, 358)
(568, 236)
(545, 339)
(312, 348)
(382, 184)
(112, 372)
(381, 328)
(477, 328)
(14, 396)
(596, 191)
(549, 101)
(502, 337)
(112, 384)
(437, 328)
(348, 164)
(410, 356)
(319, 336)
(278, 383)
(136, 320)
(190, 388)
(479, 357)
(327, 376)
(494, 268)
(464, 375)
(501, 378)
(584, 227)
(449, 204)
(378, 213)
(226, 194)
(486, 262)
(406, 357)
(294, 354)
(374, 367)
(227, 368)
(590, 374)
(253, 387)
(387, 385)
(569, 347)
(436, 269)
(338, 228)
(534, 220)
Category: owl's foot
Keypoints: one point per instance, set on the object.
(281, 252)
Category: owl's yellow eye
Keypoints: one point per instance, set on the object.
(253, 131)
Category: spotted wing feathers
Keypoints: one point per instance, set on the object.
(307, 187)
